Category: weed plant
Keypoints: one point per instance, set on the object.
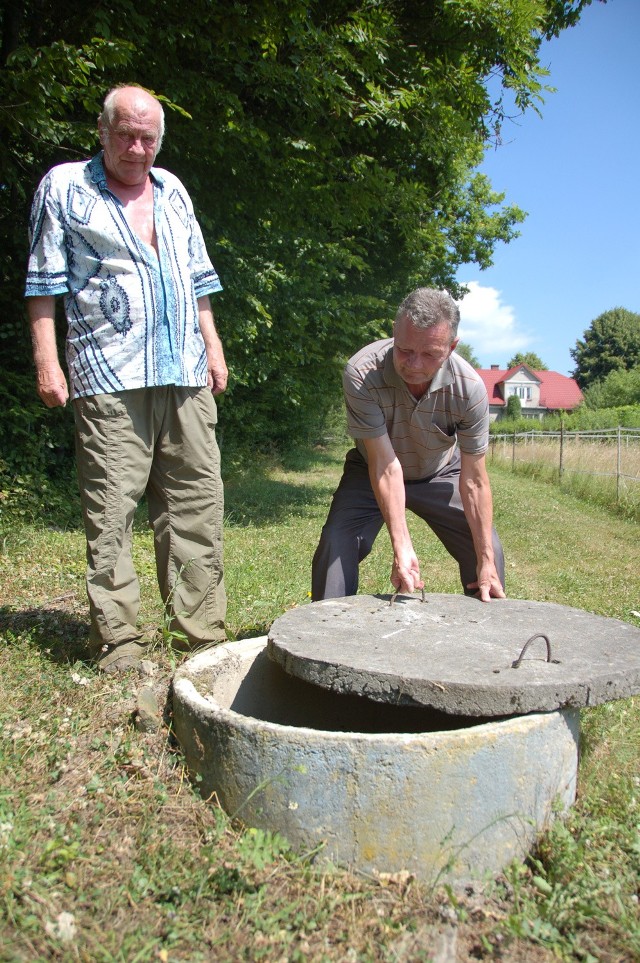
(109, 855)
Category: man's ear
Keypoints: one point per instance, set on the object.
(454, 344)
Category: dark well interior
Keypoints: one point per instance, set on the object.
(266, 692)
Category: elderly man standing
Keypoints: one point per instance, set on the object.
(419, 415)
(118, 238)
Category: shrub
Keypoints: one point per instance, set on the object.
(580, 419)
(514, 408)
(37, 448)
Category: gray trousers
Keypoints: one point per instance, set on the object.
(159, 442)
(354, 521)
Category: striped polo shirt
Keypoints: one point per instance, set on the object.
(423, 431)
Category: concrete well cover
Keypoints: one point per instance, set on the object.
(459, 655)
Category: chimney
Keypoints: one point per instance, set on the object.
(495, 367)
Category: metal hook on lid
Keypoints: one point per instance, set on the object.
(539, 635)
(397, 593)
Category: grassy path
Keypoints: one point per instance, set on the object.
(107, 854)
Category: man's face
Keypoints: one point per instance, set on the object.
(130, 143)
(419, 352)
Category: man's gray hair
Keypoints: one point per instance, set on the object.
(107, 115)
(426, 307)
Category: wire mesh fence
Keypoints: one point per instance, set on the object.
(611, 454)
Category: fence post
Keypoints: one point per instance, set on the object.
(513, 451)
(618, 464)
(561, 467)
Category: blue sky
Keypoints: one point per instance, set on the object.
(576, 171)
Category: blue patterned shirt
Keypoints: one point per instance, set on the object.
(132, 314)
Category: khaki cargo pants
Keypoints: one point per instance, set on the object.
(159, 442)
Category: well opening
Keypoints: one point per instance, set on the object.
(264, 691)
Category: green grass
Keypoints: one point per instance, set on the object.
(107, 853)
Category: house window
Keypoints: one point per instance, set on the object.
(522, 391)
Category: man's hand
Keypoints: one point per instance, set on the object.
(51, 385)
(475, 492)
(488, 585)
(217, 375)
(387, 483)
(405, 573)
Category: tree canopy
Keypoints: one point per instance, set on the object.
(610, 343)
(529, 358)
(466, 351)
(617, 389)
(330, 147)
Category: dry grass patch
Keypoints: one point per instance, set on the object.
(599, 470)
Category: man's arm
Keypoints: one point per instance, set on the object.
(475, 491)
(218, 374)
(387, 482)
(50, 380)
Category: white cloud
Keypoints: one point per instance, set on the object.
(489, 326)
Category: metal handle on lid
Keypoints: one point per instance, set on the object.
(539, 635)
(396, 594)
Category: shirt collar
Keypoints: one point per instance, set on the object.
(99, 177)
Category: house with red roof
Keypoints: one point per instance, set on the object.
(540, 392)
